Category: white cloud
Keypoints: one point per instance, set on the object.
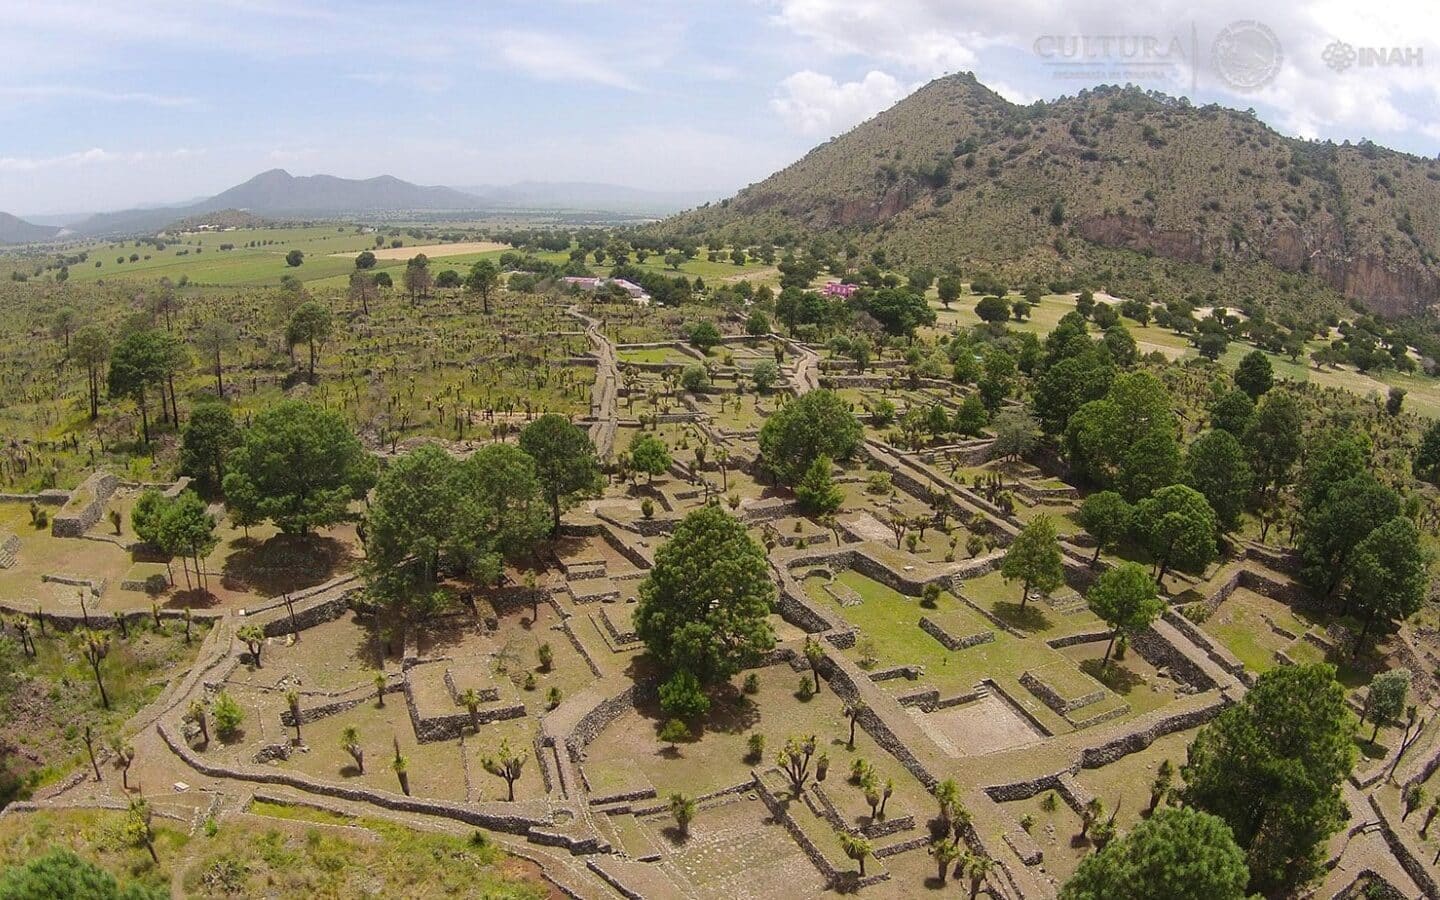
(66, 91)
(1013, 94)
(817, 104)
(550, 57)
(918, 34)
(925, 38)
(84, 158)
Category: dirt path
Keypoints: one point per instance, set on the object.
(604, 396)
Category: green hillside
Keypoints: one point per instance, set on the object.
(1145, 193)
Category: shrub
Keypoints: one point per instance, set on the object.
(228, 716)
(755, 746)
(682, 696)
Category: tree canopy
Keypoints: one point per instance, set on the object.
(1177, 526)
(1125, 599)
(1126, 440)
(816, 424)
(1271, 767)
(1388, 574)
(298, 465)
(207, 439)
(140, 362)
(703, 608)
(649, 454)
(565, 462)
(1034, 559)
(1178, 854)
(1216, 466)
(60, 873)
(1255, 376)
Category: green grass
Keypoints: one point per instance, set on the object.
(245, 858)
(1423, 392)
(888, 624)
(299, 813)
(59, 694)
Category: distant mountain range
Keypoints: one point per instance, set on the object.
(278, 194)
(19, 231)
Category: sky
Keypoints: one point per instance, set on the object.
(105, 106)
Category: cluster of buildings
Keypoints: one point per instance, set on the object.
(590, 285)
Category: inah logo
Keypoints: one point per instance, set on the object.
(1340, 56)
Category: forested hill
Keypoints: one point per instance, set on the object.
(18, 231)
(954, 175)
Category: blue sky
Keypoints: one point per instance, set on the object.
(105, 105)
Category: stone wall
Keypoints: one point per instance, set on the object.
(1217, 655)
(1413, 866)
(1109, 715)
(949, 641)
(1024, 846)
(1015, 706)
(1137, 739)
(600, 716)
(910, 672)
(44, 498)
(1160, 653)
(316, 713)
(780, 813)
(307, 617)
(569, 632)
(602, 530)
(9, 548)
(1023, 790)
(1048, 696)
(513, 818)
(837, 671)
(449, 726)
(85, 506)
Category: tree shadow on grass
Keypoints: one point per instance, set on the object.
(282, 563)
(674, 835)
(195, 598)
(846, 883)
(732, 712)
(1371, 749)
(235, 737)
(1114, 676)
(1030, 618)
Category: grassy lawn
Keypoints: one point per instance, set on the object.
(1037, 618)
(279, 851)
(888, 626)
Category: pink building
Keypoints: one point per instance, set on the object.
(839, 289)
